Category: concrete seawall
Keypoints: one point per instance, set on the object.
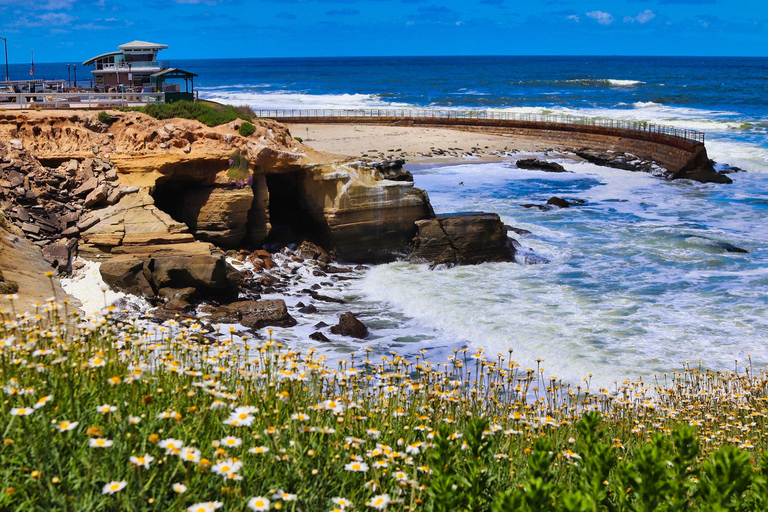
(682, 153)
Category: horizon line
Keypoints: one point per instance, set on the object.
(445, 56)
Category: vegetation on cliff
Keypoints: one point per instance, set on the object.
(207, 113)
(108, 414)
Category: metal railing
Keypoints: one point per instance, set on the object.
(26, 100)
(644, 129)
(134, 65)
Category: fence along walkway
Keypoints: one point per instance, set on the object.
(669, 135)
(85, 99)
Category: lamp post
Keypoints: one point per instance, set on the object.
(7, 76)
(69, 76)
(74, 66)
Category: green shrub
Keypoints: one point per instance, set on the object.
(299, 139)
(104, 117)
(8, 287)
(247, 129)
(238, 168)
(211, 115)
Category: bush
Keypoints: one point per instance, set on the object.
(247, 129)
(8, 287)
(211, 115)
(238, 168)
(299, 139)
(104, 117)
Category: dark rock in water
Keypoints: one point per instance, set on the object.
(300, 305)
(539, 165)
(519, 231)
(320, 325)
(254, 314)
(324, 298)
(308, 309)
(559, 202)
(531, 205)
(462, 239)
(310, 251)
(705, 241)
(316, 286)
(349, 325)
(318, 336)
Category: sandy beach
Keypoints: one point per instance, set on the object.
(416, 144)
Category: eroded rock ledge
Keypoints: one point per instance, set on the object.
(462, 239)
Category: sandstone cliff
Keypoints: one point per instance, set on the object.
(137, 185)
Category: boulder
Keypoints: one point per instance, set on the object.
(254, 314)
(318, 336)
(127, 274)
(462, 239)
(559, 202)
(60, 255)
(349, 325)
(539, 165)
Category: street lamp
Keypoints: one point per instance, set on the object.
(69, 76)
(74, 66)
(7, 77)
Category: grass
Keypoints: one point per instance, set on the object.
(102, 413)
(210, 115)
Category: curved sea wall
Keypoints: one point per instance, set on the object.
(681, 152)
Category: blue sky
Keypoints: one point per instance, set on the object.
(74, 30)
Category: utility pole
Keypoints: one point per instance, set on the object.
(7, 77)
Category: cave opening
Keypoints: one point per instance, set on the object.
(290, 216)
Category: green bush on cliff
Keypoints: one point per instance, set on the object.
(238, 168)
(104, 117)
(211, 115)
(247, 129)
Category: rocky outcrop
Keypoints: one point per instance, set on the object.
(363, 210)
(254, 314)
(462, 239)
(698, 167)
(349, 325)
(145, 270)
(539, 165)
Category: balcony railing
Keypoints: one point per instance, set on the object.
(28, 100)
(134, 66)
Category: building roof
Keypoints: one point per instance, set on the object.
(142, 45)
(91, 60)
(173, 73)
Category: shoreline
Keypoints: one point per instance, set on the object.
(418, 145)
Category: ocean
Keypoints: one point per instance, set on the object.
(638, 282)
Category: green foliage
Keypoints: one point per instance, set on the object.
(104, 117)
(246, 129)
(429, 441)
(238, 167)
(299, 139)
(211, 115)
(7, 287)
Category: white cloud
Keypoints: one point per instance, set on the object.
(601, 17)
(643, 17)
(49, 19)
(573, 17)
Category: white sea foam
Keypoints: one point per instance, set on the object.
(89, 288)
(611, 82)
(626, 294)
(280, 100)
